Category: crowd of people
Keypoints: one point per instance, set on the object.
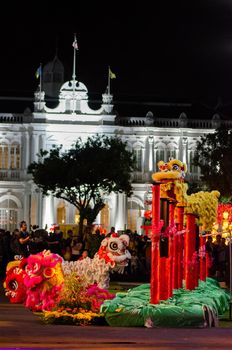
(219, 258)
(23, 242)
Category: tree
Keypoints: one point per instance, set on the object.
(85, 174)
(213, 156)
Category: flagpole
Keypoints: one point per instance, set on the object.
(74, 69)
(40, 83)
(109, 80)
(74, 59)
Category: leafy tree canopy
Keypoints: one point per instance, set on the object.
(86, 173)
(214, 157)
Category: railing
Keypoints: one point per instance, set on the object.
(12, 175)
(172, 123)
(14, 118)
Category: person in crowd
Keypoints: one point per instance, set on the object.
(134, 263)
(23, 239)
(222, 259)
(228, 268)
(216, 248)
(84, 255)
(38, 241)
(68, 253)
(55, 241)
(76, 249)
(67, 243)
(147, 251)
(14, 243)
(6, 252)
(209, 247)
(95, 243)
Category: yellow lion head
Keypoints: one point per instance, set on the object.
(173, 170)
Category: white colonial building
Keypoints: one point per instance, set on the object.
(151, 138)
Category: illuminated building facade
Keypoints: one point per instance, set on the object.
(150, 137)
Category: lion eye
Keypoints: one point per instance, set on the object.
(175, 167)
(113, 245)
(13, 285)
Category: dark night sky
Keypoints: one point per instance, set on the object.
(178, 50)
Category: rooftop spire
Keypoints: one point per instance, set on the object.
(75, 48)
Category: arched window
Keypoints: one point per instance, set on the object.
(10, 156)
(171, 153)
(14, 156)
(4, 155)
(159, 155)
(138, 157)
(8, 214)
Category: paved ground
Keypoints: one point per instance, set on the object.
(20, 329)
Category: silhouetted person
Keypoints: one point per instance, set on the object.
(23, 239)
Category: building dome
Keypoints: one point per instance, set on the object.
(53, 77)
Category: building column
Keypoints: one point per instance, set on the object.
(48, 217)
(151, 154)
(26, 206)
(184, 143)
(143, 160)
(26, 153)
(113, 209)
(39, 219)
(121, 214)
(41, 142)
(34, 147)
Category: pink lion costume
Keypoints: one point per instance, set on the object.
(35, 281)
(44, 280)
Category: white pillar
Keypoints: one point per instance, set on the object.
(113, 209)
(97, 221)
(41, 144)
(143, 160)
(34, 147)
(121, 214)
(184, 142)
(151, 154)
(39, 219)
(26, 206)
(48, 217)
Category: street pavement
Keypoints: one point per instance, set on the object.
(21, 329)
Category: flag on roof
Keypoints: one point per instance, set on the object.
(111, 74)
(75, 44)
(38, 72)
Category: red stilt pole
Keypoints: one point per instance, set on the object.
(180, 247)
(171, 250)
(189, 249)
(155, 238)
(164, 272)
(202, 258)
